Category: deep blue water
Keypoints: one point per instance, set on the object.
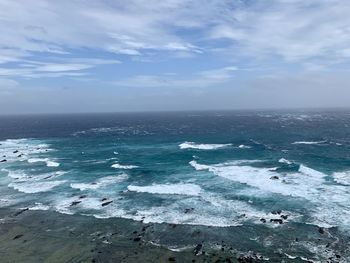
(194, 168)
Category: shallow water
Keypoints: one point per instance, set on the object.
(218, 169)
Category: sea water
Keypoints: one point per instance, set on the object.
(218, 169)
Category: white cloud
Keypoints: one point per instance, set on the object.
(200, 79)
(35, 69)
(292, 30)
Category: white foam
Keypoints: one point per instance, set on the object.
(36, 187)
(21, 149)
(21, 176)
(119, 166)
(288, 185)
(52, 164)
(242, 146)
(102, 182)
(192, 145)
(342, 177)
(48, 162)
(327, 203)
(309, 142)
(170, 189)
(282, 160)
(39, 206)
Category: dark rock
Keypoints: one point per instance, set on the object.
(104, 199)
(15, 151)
(75, 203)
(285, 217)
(276, 212)
(198, 249)
(82, 196)
(2, 161)
(107, 203)
(17, 237)
(172, 259)
(337, 256)
(278, 221)
(189, 210)
(321, 230)
(137, 239)
(172, 225)
(263, 220)
(21, 211)
(275, 177)
(19, 156)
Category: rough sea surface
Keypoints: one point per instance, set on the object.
(264, 182)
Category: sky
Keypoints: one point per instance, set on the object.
(149, 55)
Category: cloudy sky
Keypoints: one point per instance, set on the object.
(148, 55)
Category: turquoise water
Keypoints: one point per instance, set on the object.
(219, 169)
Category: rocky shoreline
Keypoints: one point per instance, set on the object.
(45, 236)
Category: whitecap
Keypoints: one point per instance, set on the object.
(242, 146)
(342, 177)
(102, 182)
(119, 166)
(282, 160)
(39, 206)
(309, 142)
(192, 145)
(170, 189)
(35, 187)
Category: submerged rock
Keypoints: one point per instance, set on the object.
(276, 212)
(107, 203)
(321, 230)
(189, 210)
(21, 211)
(197, 250)
(75, 203)
(278, 221)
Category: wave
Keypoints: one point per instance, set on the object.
(21, 149)
(327, 204)
(39, 206)
(282, 160)
(310, 142)
(22, 176)
(170, 189)
(37, 187)
(49, 163)
(119, 166)
(102, 182)
(242, 146)
(288, 185)
(192, 145)
(342, 177)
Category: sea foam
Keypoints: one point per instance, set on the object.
(170, 189)
(192, 145)
(102, 182)
(120, 166)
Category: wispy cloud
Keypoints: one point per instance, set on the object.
(196, 80)
(293, 31)
(36, 69)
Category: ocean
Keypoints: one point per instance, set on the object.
(272, 182)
